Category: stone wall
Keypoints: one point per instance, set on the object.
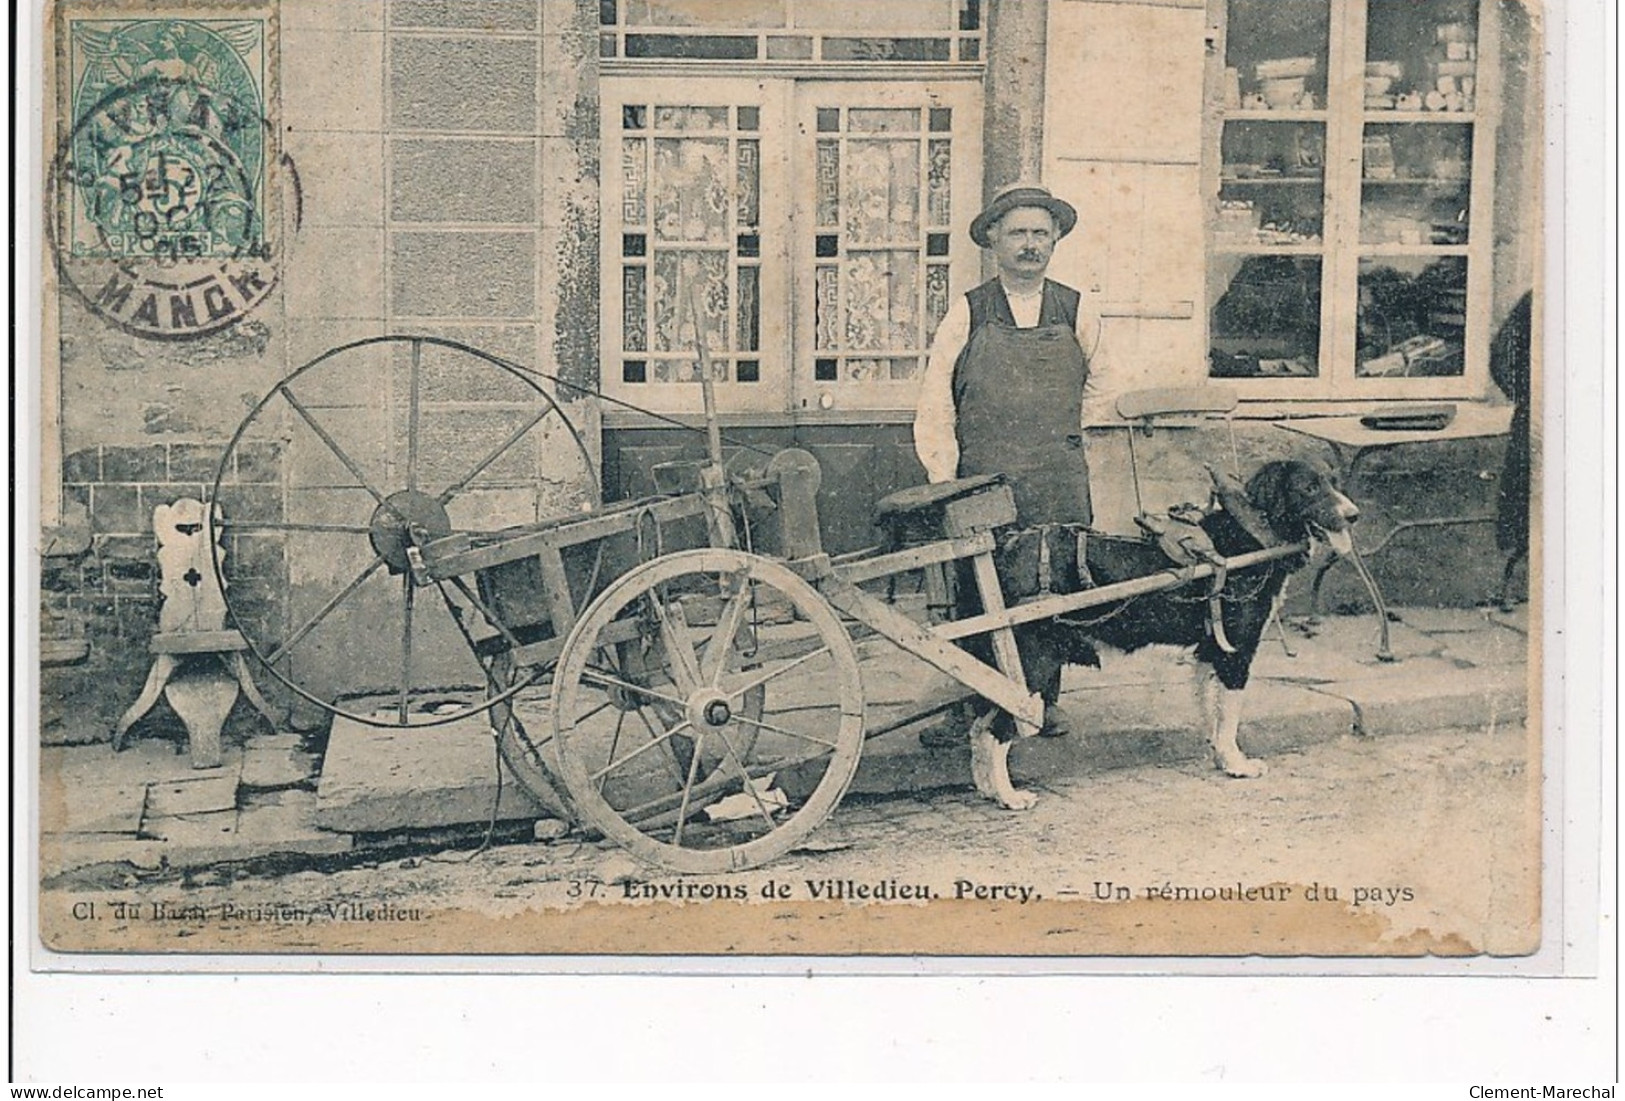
(433, 184)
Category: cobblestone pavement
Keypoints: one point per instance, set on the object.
(1436, 833)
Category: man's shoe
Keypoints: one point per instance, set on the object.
(1056, 724)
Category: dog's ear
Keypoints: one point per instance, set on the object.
(1269, 490)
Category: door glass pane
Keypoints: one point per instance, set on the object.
(875, 299)
(882, 191)
(691, 189)
(690, 208)
(868, 15)
(1413, 317)
(1414, 187)
(705, 13)
(1265, 320)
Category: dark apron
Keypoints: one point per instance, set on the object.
(1018, 398)
(1018, 395)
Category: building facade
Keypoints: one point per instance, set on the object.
(1328, 205)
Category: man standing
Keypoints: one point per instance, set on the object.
(1005, 392)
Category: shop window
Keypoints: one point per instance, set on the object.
(1354, 156)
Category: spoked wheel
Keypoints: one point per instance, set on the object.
(335, 483)
(525, 734)
(708, 711)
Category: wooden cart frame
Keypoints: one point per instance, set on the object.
(704, 703)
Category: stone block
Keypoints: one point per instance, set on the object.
(325, 15)
(82, 807)
(382, 779)
(276, 761)
(349, 187)
(84, 465)
(117, 509)
(135, 464)
(467, 84)
(333, 272)
(1495, 646)
(169, 798)
(463, 180)
(211, 830)
(62, 853)
(464, 274)
(281, 822)
(193, 462)
(255, 556)
(492, 15)
(1435, 621)
(332, 80)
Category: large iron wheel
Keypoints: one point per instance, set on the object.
(341, 475)
(707, 711)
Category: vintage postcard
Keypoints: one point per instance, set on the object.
(908, 478)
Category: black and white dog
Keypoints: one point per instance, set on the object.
(1284, 502)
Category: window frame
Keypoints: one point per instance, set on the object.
(1345, 119)
(788, 388)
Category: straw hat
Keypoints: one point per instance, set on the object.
(1016, 196)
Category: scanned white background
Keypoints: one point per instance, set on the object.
(1434, 1027)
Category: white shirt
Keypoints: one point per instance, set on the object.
(935, 419)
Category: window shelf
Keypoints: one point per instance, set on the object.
(1226, 248)
(1266, 114)
(1458, 118)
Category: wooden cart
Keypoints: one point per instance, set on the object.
(696, 649)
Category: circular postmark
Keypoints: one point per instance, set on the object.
(159, 191)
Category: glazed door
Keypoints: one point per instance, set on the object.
(695, 216)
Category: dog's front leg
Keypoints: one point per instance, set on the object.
(1222, 707)
(990, 767)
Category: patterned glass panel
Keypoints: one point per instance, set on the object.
(827, 307)
(673, 315)
(691, 118)
(635, 309)
(691, 186)
(829, 183)
(882, 189)
(883, 120)
(939, 177)
(900, 15)
(882, 300)
(936, 297)
(750, 310)
(749, 182)
(706, 13)
(634, 180)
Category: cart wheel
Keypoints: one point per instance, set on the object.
(333, 484)
(525, 738)
(700, 737)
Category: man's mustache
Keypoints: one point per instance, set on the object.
(1029, 254)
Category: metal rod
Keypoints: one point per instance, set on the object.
(332, 444)
(310, 624)
(412, 419)
(462, 483)
(410, 591)
(1134, 469)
